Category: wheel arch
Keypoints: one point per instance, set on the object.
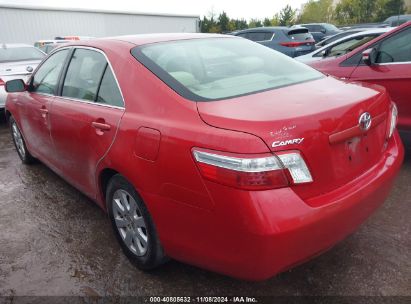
(8, 115)
(104, 177)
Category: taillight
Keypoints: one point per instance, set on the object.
(2, 83)
(293, 44)
(393, 120)
(254, 172)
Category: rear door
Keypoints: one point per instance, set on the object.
(393, 71)
(85, 116)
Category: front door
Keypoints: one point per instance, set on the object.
(36, 103)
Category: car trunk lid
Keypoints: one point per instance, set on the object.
(9, 70)
(319, 118)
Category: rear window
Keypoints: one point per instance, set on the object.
(259, 36)
(221, 68)
(20, 54)
(299, 34)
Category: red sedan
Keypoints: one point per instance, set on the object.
(212, 150)
(386, 61)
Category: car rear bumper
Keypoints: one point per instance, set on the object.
(255, 235)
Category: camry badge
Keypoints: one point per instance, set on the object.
(295, 141)
(365, 121)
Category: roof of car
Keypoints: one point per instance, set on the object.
(265, 28)
(401, 17)
(154, 38)
(315, 23)
(14, 45)
(362, 33)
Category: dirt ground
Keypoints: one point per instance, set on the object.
(55, 241)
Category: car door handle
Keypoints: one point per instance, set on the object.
(101, 126)
(44, 111)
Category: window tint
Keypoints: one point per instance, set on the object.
(84, 74)
(396, 48)
(46, 78)
(109, 92)
(259, 36)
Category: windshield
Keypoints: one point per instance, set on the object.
(220, 68)
(20, 54)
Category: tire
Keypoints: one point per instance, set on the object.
(20, 143)
(133, 225)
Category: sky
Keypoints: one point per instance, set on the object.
(235, 9)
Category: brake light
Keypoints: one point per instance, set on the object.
(2, 83)
(297, 43)
(393, 120)
(254, 172)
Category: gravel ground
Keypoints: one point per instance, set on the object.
(55, 241)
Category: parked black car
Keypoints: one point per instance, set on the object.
(320, 31)
(289, 41)
(397, 20)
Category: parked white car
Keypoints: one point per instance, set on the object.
(17, 61)
(344, 45)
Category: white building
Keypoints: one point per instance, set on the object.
(27, 24)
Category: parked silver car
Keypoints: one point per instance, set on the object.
(17, 61)
(344, 45)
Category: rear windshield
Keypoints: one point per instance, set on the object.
(20, 54)
(221, 68)
(299, 34)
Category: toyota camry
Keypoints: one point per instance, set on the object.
(211, 150)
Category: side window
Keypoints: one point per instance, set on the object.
(243, 35)
(45, 80)
(84, 74)
(259, 36)
(109, 92)
(396, 48)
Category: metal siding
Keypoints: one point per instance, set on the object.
(28, 25)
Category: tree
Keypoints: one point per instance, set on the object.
(388, 8)
(241, 24)
(363, 11)
(223, 22)
(316, 11)
(287, 16)
(267, 22)
(255, 23)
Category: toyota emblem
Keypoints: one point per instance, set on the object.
(365, 121)
(29, 69)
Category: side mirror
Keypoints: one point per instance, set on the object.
(15, 85)
(369, 57)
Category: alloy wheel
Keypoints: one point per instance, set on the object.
(130, 222)
(18, 140)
